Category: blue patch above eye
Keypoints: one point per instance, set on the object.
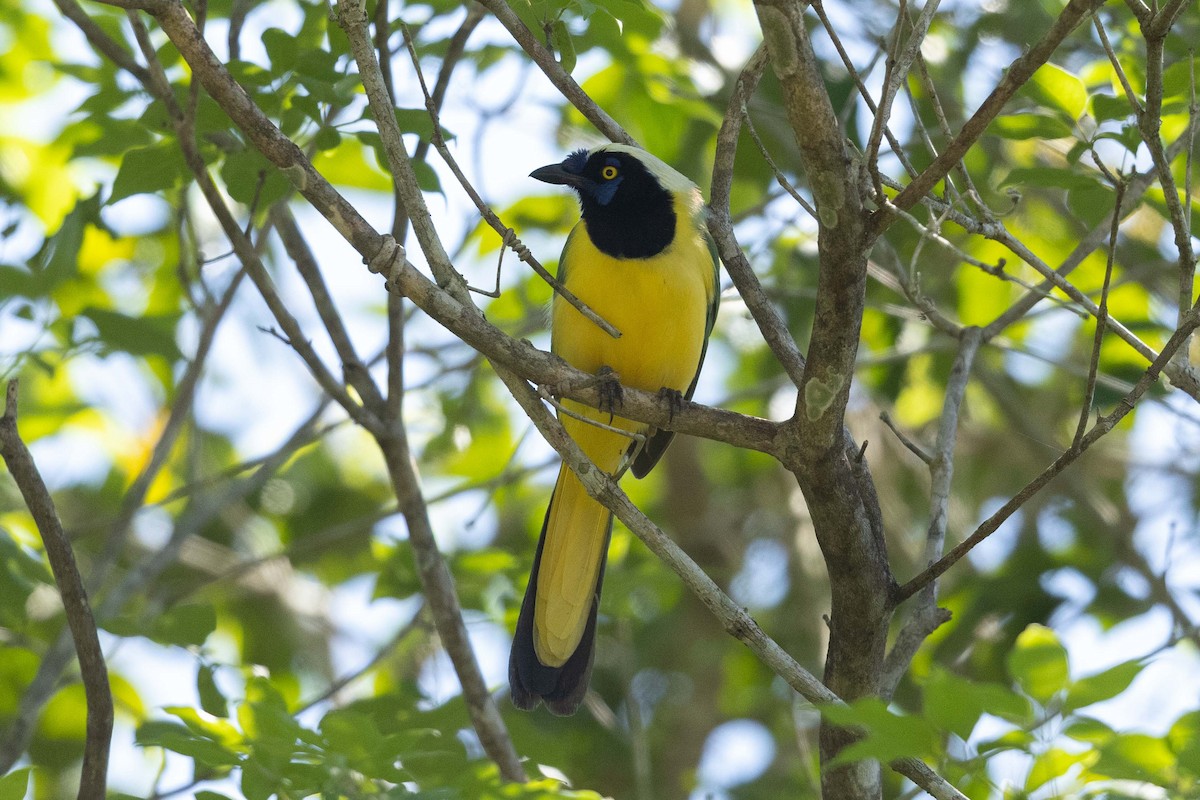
(575, 162)
(605, 191)
(612, 162)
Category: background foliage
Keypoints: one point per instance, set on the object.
(256, 593)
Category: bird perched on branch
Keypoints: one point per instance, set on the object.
(642, 259)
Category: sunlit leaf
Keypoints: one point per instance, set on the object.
(1038, 662)
(14, 785)
(1103, 685)
(1054, 88)
(1054, 764)
(1030, 126)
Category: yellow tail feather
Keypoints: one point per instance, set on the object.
(576, 537)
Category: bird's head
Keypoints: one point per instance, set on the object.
(628, 197)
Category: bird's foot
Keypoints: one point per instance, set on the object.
(608, 385)
(674, 399)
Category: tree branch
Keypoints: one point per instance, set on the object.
(98, 696)
(829, 468)
(557, 75)
(926, 617)
(1018, 74)
(733, 618)
(720, 226)
(1100, 429)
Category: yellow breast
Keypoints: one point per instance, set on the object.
(660, 305)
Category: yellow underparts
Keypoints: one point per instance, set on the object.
(660, 305)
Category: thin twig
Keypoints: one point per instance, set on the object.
(720, 225)
(912, 446)
(1102, 426)
(1089, 391)
(897, 72)
(545, 394)
(508, 236)
(925, 617)
(1017, 75)
(557, 75)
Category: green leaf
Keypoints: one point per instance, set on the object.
(265, 718)
(560, 40)
(1110, 108)
(139, 336)
(207, 725)
(252, 180)
(207, 795)
(1137, 757)
(1055, 763)
(181, 739)
(1157, 199)
(1038, 662)
(186, 625)
(888, 735)
(1031, 126)
(1103, 685)
(1052, 87)
(58, 260)
(112, 137)
(282, 49)
(1184, 741)
(258, 782)
(955, 704)
(146, 170)
(211, 698)
(1087, 729)
(1177, 79)
(14, 785)
(1092, 204)
(1050, 177)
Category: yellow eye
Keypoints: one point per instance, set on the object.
(609, 172)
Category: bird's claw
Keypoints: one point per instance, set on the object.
(674, 400)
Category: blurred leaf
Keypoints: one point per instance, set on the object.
(1087, 729)
(252, 180)
(211, 699)
(1184, 741)
(282, 49)
(155, 168)
(1109, 108)
(181, 739)
(1055, 88)
(14, 785)
(1038, 662)
(139, 336)
(1030, 126)
(1054, 764)
(560, 40)
(1103, 685)
(888, 735)
(955, 704)
(1158, 201)
(1137, 757)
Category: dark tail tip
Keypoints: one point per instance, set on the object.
(531, 682)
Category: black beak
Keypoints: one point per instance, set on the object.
(555, 173)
